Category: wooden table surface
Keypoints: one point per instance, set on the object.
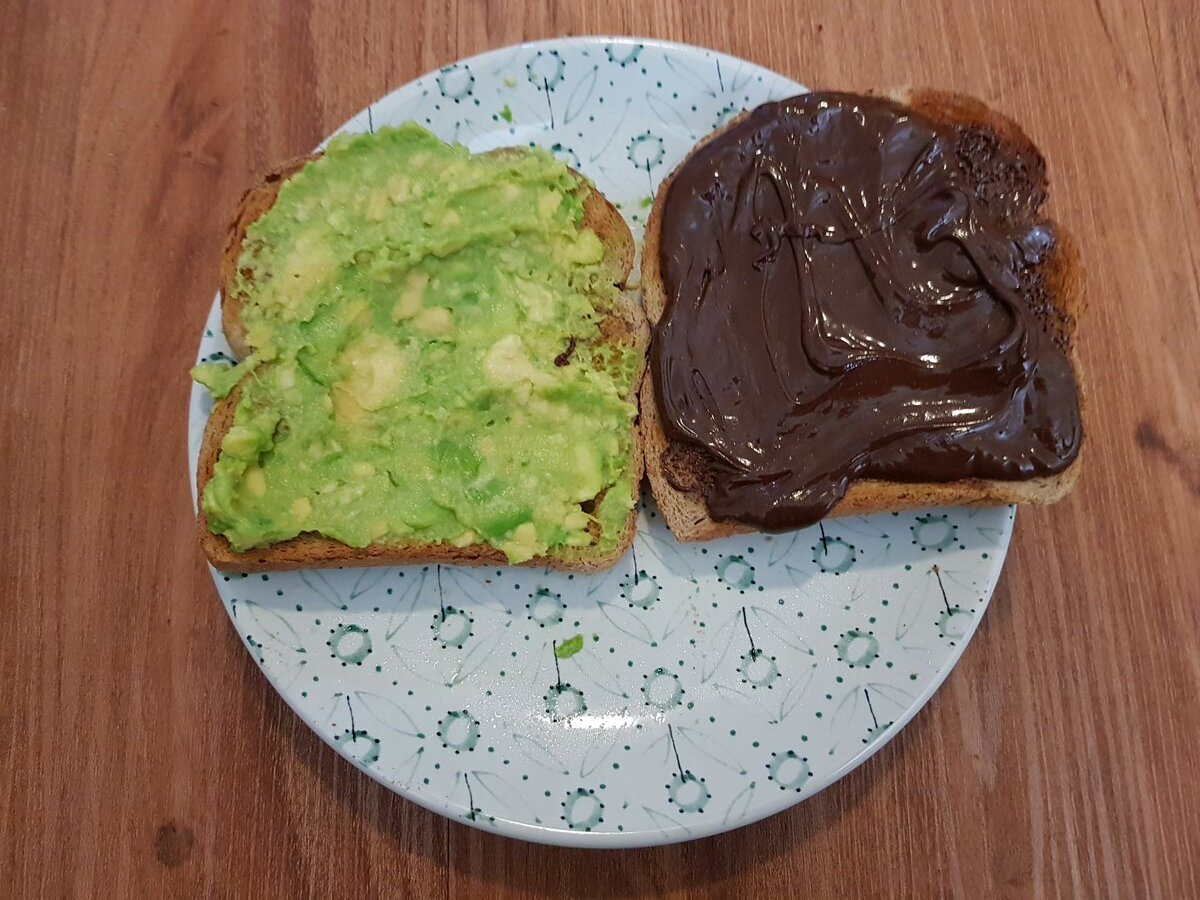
(142, 753)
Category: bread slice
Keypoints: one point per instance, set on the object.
(625, 325)
(686, 512)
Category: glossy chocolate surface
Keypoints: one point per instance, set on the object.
(855, 291)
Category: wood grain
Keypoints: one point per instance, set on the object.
(141, 752)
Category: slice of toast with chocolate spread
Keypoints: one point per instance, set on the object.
(840, 329)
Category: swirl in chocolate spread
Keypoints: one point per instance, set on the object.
(854, 291)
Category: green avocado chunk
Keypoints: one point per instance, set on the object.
(410, 306)
(569, 647)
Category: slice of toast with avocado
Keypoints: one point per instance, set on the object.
(437, 363)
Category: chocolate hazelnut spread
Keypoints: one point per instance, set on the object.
(854, 291)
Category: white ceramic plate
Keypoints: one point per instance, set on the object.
(716, 684)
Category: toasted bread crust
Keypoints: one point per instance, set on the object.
(686, 512)
(626, 325)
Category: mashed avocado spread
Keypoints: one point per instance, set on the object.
(407, 302)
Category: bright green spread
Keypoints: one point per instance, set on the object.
(407, 302)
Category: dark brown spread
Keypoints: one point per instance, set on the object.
(855, 291)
